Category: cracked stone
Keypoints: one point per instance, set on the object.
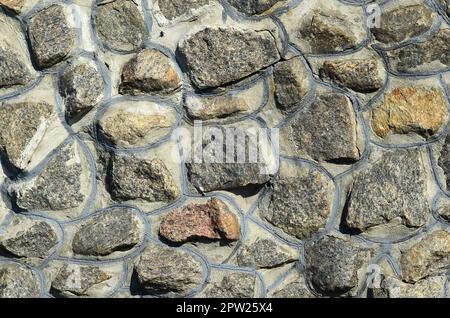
(150, 71)
(120, 24)
(299, 218)
(17, 281)
(406, 110)
(253, 7)
(51, 36)
(212, 220)
(393, 186)
(219, 56)
(22, 128)
(233, 285)
(430, 256)
(168, 271)
(210, 107)
(114, 230)
(265, 253)
(172, 9)
(432, 287)
(325, 131)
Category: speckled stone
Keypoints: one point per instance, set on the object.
(13, 70)
(264, 253)
(233, 285)
(173, 9)
(17, 281)
(432, 287)
(253, 7)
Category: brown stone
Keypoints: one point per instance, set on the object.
(14, 5)
(205, 108)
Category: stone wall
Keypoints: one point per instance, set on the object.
(97, 201)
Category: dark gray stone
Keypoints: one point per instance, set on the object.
(293, 290)
(253, 7)
(13, 71)
(264, 253)
(17, 281)
(444, 160)
(172, 9)
(233, 285)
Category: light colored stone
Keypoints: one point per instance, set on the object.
(17, 281)
(210, 107)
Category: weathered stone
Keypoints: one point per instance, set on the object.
(58, 186)
(28, 238)
(117, 229)
(168, 271)
(22, 128)
(52, 38)
(432, 287)
(13, 71)
(212, 220)
(444, 160)
(445, 5)
(233, 285)
(431, 55)
(172, 9)
(293, 290)
(253, 7)
(120, 24)
(332, 265)
(265, 253)
(150, 71)
(430, 256)
(299, 217)
(219, 56)
(76, 280)
(291, 83)
(17, 281)
(404, 22)
(394, 186)
(210, 107)
(82, 88)
(135, 178)
(14, 5)
(444, 211)
(410, 110)
(325, 131)
(360, 75)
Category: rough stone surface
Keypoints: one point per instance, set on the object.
(172, 9)
(406, 110)
(107, 232)
(393, 186)
(264, 253)
(444, 160)
(234, 285)
(150, 71)
(204, 108)
(212, 220)
(18, 282)
(13, 71)
(219, 56)
(293, 290)
(15, 5)
(432, 287)
(52, 38)
(253, 7)
(168, 271)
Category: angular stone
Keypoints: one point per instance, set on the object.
(13, 71)
(360, 75)
(394, 186)
(406, 110)
(75, 280)
(253, 7)
(430, 256)
(432, 287)
(265, 253)
(444, 212)
(172, 9)
(210, 107)
(233, 285)
(14, 5)
(168, 271)
(404, 22)
(444, 160)
(117, 229)
(17, 281)
(291, 83)
(135, 178)
(293, 290)
(22, 128)
(431, 55)
(325, 131)
(58, 186)
(332, 265)
(218, 56)
(82, 88)
(212, 220)
(120, 24)
(51, 36)
(300, 218)
(28, 238)
(149, 72)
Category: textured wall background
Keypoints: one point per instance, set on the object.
(97, 202)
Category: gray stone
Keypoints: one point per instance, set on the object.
(264, 253)
(117, 229)
(444, 160)
(13, 71)
(332, 265)
(22, 128)
(432, 287)
(52, 38)
(253, 7)
(172, 9)
(393, 186)
(291, 83)
(404, 22)
(218, 56)
(28, 238)
(300, 200)
(120, 24)
(168, 271)
(430, 256)
(324, 131)
(210, 107)
(293, 290)
(17, 281)
(147, 179)
(444, 211)
(150, 71)
(233, 285)
(82, 88)
(360, 75)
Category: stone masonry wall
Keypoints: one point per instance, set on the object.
(98, 199)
